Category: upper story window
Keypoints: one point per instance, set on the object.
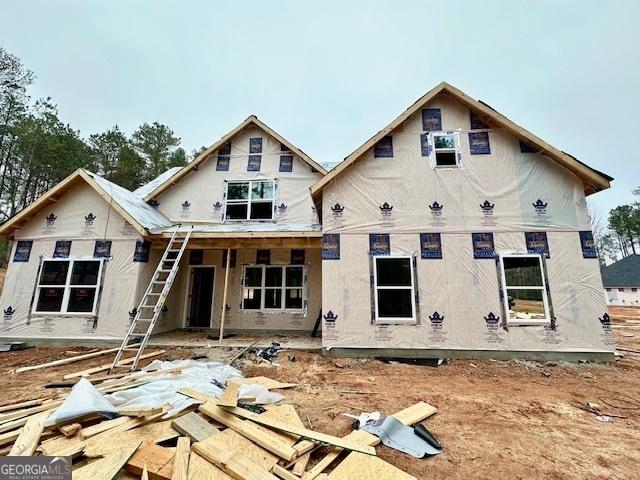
(525, 292)
(446, 150)
(384, 148)
(224, 157)
(250, 200)
(68, 286)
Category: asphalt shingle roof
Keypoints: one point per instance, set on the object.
(623, 273)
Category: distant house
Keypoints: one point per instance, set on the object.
(622, 280)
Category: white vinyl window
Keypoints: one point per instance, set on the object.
(524, 288)
(394, 295)
(446, 150)
(250, 200)
(68, 286)
(273, 287)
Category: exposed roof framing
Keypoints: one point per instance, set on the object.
(252, 120)
(593, 180)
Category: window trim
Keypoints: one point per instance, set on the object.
(543, 287)
(249, 201)
(263, 288)
(456, 150)
(67, 287)
(394, 320)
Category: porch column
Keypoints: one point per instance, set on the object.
(224, 294)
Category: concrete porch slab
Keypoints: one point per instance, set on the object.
(291, 340)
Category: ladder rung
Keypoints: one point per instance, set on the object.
(159, 281)
(154, 293)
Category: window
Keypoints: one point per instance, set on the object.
(525, 291)
(394, 294)
(608, 289)
(68, 286)
(250, 200)
(621, 289)
(634, 290)
(446, 150)
(273, 287)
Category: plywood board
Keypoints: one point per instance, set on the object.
(270, 383)
(366, 467)
(158, 460)
(229, 397)
(181, 463)
(107, 467)
(29, 436)
(233, 463)
(201, 469)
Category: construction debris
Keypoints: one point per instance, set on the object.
(156, 434)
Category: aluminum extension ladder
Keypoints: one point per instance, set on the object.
(150, 306)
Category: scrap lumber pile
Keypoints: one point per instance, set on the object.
(230, 435)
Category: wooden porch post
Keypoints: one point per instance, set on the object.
(224, 294)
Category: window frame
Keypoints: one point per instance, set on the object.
(67, 287)
(505, 297)
(457, 152)
(394, 320)
(283, 287)
(249, 201)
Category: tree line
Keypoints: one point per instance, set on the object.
(618, 236)
(38, 149)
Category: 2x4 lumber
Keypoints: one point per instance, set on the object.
(103, 426)
(102, 368)
(229, 397)
(181, 462)
(268, 383)
(266, 440)
(224, 297)
(25, 412)
(301, 464)
(410, 415)
(19, 422)
(66, 361)
(29, 437)
(283, 473)
(17, 406)
(157, 460)
(139, 411)
(194, 426)
(70, 429)
(301, 431)
(233, 463)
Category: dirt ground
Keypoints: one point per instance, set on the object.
(511, 420)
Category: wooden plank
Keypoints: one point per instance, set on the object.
(66, 361)
(103, 426)
(194, 426)
(107, 366)
(25, 412)
(17, 406)
(301, 464)
(200, 469)
(233, 463)
(108, 466)
(410, 415)
(11, 436)
(301, 431)
(270, 383)
(181, 463)
(263, 438)
(365, 467)
(29, 437)
(283, 473)
(140, 411)
(229, 397)
(158, 461)
(70, 429)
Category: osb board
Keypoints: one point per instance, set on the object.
(358, 466)
(153, 432)
(107, 467)
(201, 469)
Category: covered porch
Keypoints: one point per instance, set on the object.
(243, 282)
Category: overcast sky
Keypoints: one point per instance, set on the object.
(329, 74)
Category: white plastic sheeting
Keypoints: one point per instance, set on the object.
(147, 188)
(521, 192)
(83, 400)
(163, 390)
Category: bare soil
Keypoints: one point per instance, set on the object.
(507, 420)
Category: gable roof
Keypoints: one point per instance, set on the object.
(593, 180)
(133, 208)
(252, 120)
(623, 273)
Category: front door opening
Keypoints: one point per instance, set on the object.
(201, 297)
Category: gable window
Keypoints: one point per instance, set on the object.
(224, 156)
(68, 286)
(273, 287)
(446, 150)
(384, 148)
(524, 288)
(394, 289)
(286, 163)
(252, 200)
